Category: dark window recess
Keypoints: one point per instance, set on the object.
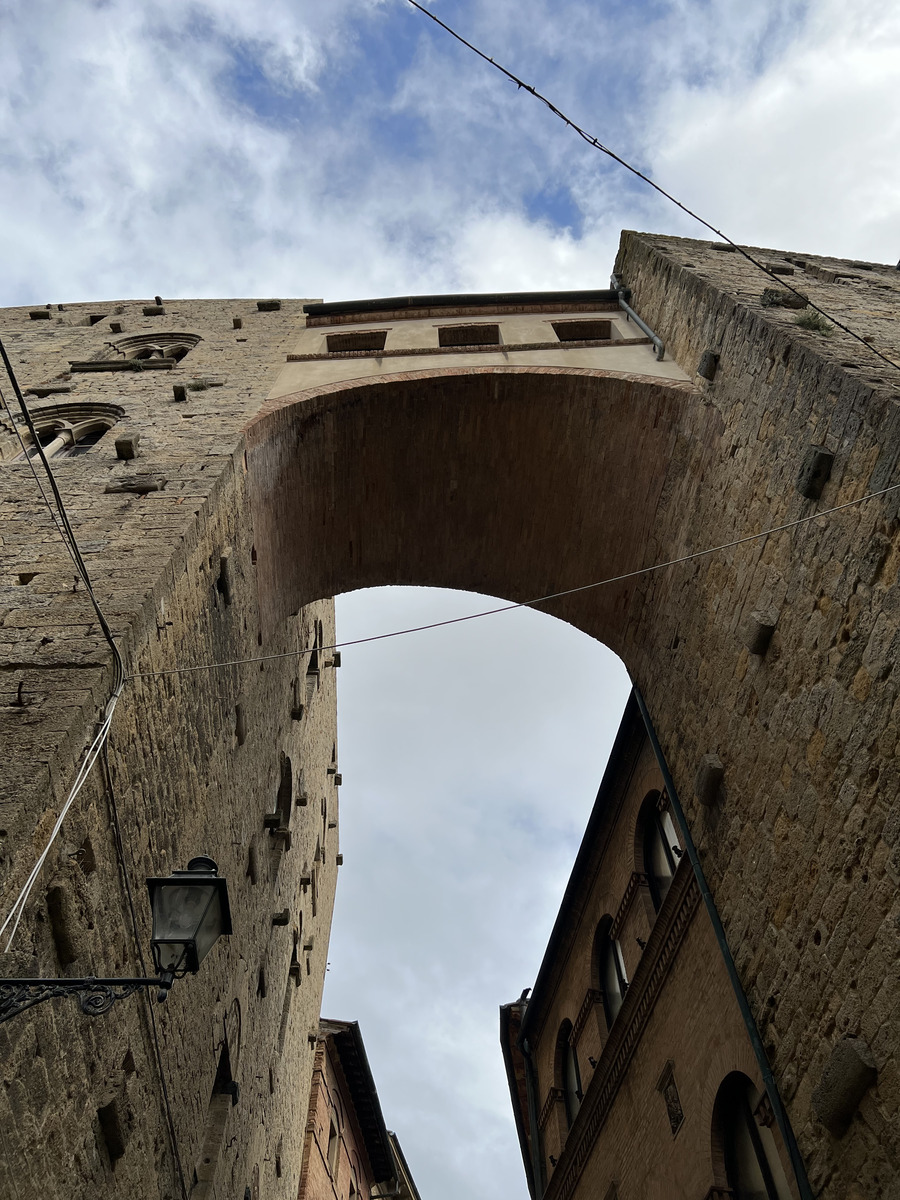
(582, 331)
(469, 335)
(365, 339)
(111, 1130)
(87, 441)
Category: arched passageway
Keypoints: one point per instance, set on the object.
(511, 482)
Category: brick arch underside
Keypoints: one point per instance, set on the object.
(513, 482)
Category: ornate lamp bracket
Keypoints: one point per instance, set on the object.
(95, 996)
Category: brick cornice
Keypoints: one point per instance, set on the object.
(554, 1095)
(637, 881)
(488, 348)
(592, 997)
(674, 918)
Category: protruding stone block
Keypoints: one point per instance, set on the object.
(848, 1074)
(815, 472)
(268, 305)
(154, 310)
(237, 322)
(179, 393)
(127, 445)
(40, 314)
(139, 485)
(758, 630)
(709, 364)
(708, 780)
(282, 918)
(776, 298)
(157, 300)
(115, 326)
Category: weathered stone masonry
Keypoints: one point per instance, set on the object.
(197, 762)
(496, 471)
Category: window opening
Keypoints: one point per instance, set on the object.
(568, 1072)
(66, 437)
(611, 969)
(752, 1164)
(586, 330)
(469, 335)
(364, 339)
(333, 1147)
(285, 796)
(224, 1095)
(662, 849)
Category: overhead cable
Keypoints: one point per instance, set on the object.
(63, 525)
(598, 145)
(69, 537)
(489, 612)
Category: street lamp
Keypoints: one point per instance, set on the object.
(190, 912)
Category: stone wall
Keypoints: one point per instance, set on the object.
(802, 846)
(196, 761)
(513, 480)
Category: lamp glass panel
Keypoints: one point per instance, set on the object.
(179, 908)
(210, 926)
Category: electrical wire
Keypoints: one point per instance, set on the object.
(37, 479)
(61, 520)
(489, 612)
(15, 913)
(598, 145)
(72, 542)
(126, 877)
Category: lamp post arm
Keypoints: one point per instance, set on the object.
(95, 996)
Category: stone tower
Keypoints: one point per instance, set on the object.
(230, 465)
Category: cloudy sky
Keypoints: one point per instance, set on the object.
(345, 148)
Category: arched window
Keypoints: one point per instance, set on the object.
(147, 347)
(610, 967)
(68, 432)
(661, 846)
(567, 1074)
(753, 1167)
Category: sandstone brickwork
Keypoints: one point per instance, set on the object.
(196, 763)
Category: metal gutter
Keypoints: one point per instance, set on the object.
(460, 300)
(623, 295)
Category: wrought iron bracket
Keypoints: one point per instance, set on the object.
(95, 996)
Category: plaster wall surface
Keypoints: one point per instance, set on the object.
(627, 351)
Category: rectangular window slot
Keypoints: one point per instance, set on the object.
(365, 339)
(469, 335)
(583, 331)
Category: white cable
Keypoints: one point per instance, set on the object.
(15, 913)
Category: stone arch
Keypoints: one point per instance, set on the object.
(514, 482)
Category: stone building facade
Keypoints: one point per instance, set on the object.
(630, 1067)
(484, 443)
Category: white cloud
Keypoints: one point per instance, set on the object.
(801, 157)
(351, 149)
(471, 756)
